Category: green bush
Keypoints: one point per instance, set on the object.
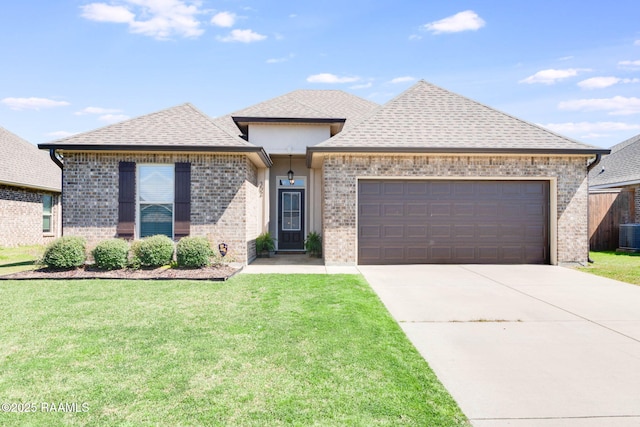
(265, 242)
(65, 253)
(193, 252)
(153, 251)
(111, 254)
(313, 244)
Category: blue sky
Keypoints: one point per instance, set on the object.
(70, 66)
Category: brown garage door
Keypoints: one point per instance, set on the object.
(453, 222)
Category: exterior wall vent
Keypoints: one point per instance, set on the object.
(629, 237)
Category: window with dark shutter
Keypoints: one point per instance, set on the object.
(126, 200)
(182, 213)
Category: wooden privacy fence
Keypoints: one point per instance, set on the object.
(607, 210)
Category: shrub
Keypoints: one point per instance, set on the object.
(193, 252)
(154, 251)
(111, 254)
(265, 242)
(65, 253)
(313, 244)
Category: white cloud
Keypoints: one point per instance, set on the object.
(60, 134)
(279, 60)
(160, 19)
(113, 118)
(634, 65)
(32, 103)
(618, 105)
(96, 110)
(102, 12)
(637, 42)
(565, 58)
(462, 21)
(331, 78)
(414, 37)
(591, 127)
(402, 79)
(551, 76)
(602, 82)
(224, 19)
(242, 36)
(362, 86)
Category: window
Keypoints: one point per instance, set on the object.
(47, 209)
(298, 182)
(291, 211)
(156, 199)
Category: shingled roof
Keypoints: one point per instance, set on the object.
(23, 165)
(427, 118)
(305, 104)
(621, 167)
(180, 128)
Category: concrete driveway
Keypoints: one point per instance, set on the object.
(522, 345)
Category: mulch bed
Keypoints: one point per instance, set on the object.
(222, 272)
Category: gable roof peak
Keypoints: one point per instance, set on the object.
(182, 125)
(427, 117)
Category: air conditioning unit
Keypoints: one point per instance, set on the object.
(629, 237)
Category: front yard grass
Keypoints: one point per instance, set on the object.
(615, 265)
(253, 351)
(20, 258)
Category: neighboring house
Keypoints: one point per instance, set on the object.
(614, 187)
(30, 184)
(429, 177)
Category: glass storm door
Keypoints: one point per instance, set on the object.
(291, 219)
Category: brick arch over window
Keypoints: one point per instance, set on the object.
(127, 200)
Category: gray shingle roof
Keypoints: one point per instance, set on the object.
(22, 164)
(306, 104)
(619, 167)
(429, 117)
(180, 126)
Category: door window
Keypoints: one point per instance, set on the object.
(291, 211)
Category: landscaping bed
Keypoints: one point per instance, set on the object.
(222, 272)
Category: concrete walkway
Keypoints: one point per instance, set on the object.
(294, 264)
(523, 345)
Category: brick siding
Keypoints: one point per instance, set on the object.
(636, 192)
(220, 186)
(340, 174)
(21, 216)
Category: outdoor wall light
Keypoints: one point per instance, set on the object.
(290, 173)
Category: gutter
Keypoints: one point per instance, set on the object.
(456, 151)
(259, 151)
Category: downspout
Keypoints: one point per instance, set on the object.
(57, 161)
(55, 158)
(589, 167)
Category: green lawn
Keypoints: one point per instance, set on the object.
(615, 265)
(256, 350)
(21, 258)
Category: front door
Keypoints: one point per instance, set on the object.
(291, 219)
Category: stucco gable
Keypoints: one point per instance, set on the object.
(305, 104)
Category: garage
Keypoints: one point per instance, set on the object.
(453, 221)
